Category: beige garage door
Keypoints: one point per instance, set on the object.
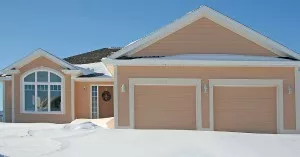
(245, 109)
(165, 107)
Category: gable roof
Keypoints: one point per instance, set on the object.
(36, 54)
(214, 16)
(92, 56)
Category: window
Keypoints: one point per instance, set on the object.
(94, 108)
(42, 92)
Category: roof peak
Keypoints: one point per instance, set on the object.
(215, 16)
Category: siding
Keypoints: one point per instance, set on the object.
(204, 37)
(205, 73)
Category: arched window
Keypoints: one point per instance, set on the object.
(42, 92)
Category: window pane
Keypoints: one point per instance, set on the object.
(42, 98)
(29, 97)
(94, 102)
(42, 76)
(55, 98)
(30, 78)
(54, 78)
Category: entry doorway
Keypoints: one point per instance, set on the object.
(102, 101)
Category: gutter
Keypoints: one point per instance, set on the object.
(162, 62)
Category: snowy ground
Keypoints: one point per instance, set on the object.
(82, 138)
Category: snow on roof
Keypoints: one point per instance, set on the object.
(92, 68)
(221, 57)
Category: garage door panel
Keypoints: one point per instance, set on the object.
(244, 105)
(165, 107)
(252, 92)
(245, 109)
(164, 103)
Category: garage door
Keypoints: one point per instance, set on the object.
(165, 107)
(245, 109)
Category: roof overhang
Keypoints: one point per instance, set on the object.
(34, 55)
(216, 17)
(162, 62)
(7, 78)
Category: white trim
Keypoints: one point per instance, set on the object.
(116, 98)
(6, 78)
(36, 54)
(249, 83)
(4, 101)
(72, 72)
(11, 72)
(216, 17)
(297, 98)
(62, 84)
(93, 79)
(72, 98)
(165, 62)
(13, 99)
(91, 101)
(169, 82)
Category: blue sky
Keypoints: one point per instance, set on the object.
(69, 27)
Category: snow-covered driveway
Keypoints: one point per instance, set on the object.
(86, 139)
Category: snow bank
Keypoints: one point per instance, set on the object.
(103, 122)
(85, 126)
(83, 140)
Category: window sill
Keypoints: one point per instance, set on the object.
(43, 113)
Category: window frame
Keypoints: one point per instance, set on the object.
(36, 83)
(91, 101)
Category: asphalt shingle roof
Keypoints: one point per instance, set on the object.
(92, 56)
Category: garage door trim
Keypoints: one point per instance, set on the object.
(249, 83)
(165, 82)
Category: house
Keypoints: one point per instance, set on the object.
(44, 88)
(204, 71)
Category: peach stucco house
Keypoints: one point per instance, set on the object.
(204, 71)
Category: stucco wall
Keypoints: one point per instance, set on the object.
(205, 73)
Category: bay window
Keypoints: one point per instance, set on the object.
(42, 92)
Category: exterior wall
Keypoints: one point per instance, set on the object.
(204, 37)
(52, 118)
(106, 108)
(8, 100)
(205, 73)
(83, 96)
(165, 107)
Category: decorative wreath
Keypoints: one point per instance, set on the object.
(106, 96)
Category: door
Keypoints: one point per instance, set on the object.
(165, 107)
(245, 109)
(106, 101)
